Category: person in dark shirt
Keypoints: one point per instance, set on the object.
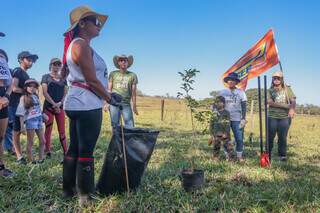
(54, 89)
(220, 128)
(20, 75)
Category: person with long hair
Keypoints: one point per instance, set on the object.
(83, 103)
(282, 103)
(54, 89)
(5, 90)
(31, 120)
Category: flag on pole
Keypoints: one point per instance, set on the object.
(262, 56)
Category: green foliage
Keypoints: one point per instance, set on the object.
(187, 78)
(293, 186)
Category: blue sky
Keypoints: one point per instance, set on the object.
(166, 37)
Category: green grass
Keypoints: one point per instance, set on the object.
(286, 187)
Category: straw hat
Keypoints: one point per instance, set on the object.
(277, 74)
(116, 59)
(81, 12)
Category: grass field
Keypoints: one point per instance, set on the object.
(286, 187)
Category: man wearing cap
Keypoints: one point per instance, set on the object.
(282, 103)
(124, 83)
(236, 103)
(25, 59)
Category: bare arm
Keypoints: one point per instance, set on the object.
(15, 87)
(46, 94)
(277, 105)
(82, 55)
(110, 86)
(65, 93)
(134, 98)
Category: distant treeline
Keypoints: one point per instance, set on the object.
(252, 94)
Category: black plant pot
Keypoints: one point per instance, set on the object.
(192, 179)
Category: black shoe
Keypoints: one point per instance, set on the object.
(37, 161)
(22, 161)
(48, 155)
(69, 177)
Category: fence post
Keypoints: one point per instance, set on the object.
(162, 108)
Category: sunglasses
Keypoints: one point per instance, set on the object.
(123, 60)
(57, 64)
(276, 78)
(94, 20)
(32, 85)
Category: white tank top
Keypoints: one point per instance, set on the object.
(80, 99)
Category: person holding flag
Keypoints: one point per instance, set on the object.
(258, 59)
(236, 105)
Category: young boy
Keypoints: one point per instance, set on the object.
(220, 128)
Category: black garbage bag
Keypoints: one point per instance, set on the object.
(139, 147)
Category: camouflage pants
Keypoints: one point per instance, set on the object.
(227, 145)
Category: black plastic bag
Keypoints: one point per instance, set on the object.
(139, 147)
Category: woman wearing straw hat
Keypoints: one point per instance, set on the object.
(282, 103)
(124, 83)
(84, 100)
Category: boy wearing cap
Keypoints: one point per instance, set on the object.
(236, 104)
(124, 83)
(20, 75)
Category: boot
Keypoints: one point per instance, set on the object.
(85, 180)
(69, 177)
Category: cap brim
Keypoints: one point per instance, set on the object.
(33, 57)
(2, 34)
(102, 19)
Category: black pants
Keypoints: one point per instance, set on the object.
(280, 128)
(84, 127)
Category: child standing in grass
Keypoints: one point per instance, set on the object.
(220, 128)
(29, 111)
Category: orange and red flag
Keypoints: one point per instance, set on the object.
(262, 56)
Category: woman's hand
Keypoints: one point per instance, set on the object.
(291, 113)
(106, 107)
(4, 102)
(134, 108)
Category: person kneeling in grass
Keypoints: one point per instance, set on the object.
(29, 111)
(220, 129)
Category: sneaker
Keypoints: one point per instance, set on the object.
(37, 161)
(6, 173)
(240, 160)
(22, 161)
(283, 158)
